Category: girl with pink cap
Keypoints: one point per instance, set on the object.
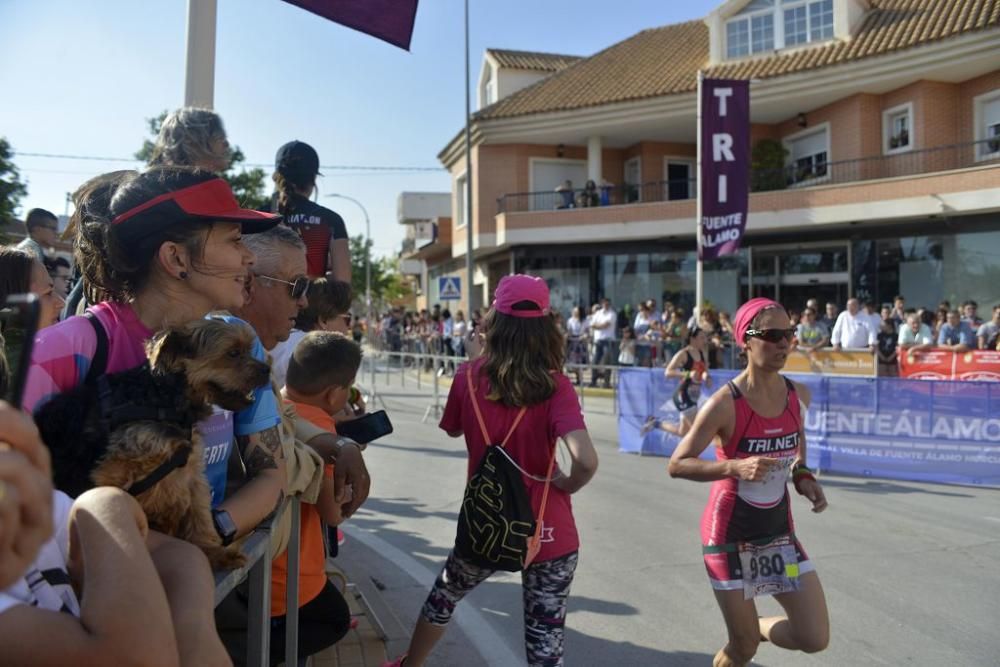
(517, 387)
(748, 537)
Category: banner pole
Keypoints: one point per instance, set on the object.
(699, 283)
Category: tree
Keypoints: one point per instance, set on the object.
(249, 185)
(11, 187)
(387, 282)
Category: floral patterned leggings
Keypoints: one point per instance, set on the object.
(545, 585)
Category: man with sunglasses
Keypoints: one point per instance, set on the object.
(43, 231)
(853, 329)
(277, 290)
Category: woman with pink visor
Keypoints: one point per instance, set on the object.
(748, 537)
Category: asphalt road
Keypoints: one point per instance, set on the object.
(911, 571)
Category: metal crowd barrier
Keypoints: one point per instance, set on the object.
(257, 571)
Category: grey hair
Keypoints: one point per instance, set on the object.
(266, 246)
(185, 138)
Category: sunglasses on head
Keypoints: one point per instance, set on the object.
(297, 289)
(771, 335)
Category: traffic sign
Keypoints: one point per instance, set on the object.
(449, 288)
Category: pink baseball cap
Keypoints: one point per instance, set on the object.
(516, 288)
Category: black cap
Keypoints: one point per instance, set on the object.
(297, 160)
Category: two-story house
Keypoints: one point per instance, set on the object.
(876, 146)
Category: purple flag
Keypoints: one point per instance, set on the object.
(389, 20)
(725, 165)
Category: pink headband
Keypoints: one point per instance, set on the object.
(746, 313)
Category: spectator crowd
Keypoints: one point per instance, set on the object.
(154, 250)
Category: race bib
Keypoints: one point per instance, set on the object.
(770, 568)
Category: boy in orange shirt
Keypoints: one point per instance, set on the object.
(321, 372)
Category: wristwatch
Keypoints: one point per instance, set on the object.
(224, 526)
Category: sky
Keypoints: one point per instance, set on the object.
(81, 78)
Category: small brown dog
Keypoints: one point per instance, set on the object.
(136, 429)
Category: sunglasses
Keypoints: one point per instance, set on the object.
(297, 289)
(771, 335)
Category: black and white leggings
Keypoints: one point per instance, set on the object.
(545, 585)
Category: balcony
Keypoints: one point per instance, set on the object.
(947, 180)
(804, 174)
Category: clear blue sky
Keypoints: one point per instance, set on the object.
(80, 78)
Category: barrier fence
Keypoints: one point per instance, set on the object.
(257, 573)
(915, 430)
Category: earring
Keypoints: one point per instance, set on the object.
(183, 275)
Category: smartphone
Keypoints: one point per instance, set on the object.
(18, 324)
(366, 428)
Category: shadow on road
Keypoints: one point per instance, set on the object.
(584, 650)
(451, 454)
(595, 606)
(882, 487)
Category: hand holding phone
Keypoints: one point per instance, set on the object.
(366, 428)
(18, 324)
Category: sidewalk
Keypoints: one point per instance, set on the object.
(394, 598)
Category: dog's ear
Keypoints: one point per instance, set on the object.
(168, 349)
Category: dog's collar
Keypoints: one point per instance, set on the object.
(179, 459)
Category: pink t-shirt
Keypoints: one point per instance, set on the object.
(63, 352)
(530, 445)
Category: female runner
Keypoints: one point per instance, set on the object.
(748, 537)
(690, 366)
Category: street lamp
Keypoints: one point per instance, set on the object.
(368, 260)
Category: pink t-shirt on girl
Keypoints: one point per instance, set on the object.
(530, 445)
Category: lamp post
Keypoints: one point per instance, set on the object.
(368, 260)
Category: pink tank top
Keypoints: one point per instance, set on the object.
(754, 435)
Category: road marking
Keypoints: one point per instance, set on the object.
(487, 642)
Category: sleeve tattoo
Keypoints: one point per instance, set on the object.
(261, 450)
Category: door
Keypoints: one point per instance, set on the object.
(633, 180)
(792, 275)
(679, 179)
(547, 175)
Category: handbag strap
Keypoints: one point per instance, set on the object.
(479, 414)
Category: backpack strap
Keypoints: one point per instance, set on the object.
(479, 414)
(99, 364)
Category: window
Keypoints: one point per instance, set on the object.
(460, 201)
(801, 22)
(809, 155)
(897, 124)
(820, 20)
(796, 26)
(762, 33)
(737, 39)
(987, 120)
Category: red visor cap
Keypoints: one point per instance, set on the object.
(211, 201)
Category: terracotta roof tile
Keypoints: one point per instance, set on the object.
(533, 60)
(666, 60)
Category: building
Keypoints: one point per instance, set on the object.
(427, 242)
(876, 139)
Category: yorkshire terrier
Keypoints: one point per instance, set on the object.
(136, 429)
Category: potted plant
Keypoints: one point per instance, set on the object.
(767, 166)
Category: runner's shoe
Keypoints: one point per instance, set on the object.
(648, 426)
(398, 662)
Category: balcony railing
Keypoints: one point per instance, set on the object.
(807, 172)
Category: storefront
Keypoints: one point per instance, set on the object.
(926, 261)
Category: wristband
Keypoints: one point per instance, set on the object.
(800, 473)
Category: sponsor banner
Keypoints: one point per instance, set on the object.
(973, 365)
(725, 165)
(943, 432)
(829, 362)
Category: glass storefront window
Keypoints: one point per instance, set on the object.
(929, 269)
